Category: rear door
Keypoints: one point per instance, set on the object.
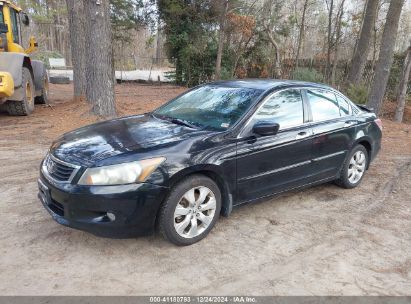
(274, 163)
(333, 128)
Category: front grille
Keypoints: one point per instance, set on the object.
(58, 170)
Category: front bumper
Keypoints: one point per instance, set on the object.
(91, 208)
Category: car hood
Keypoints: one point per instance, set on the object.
(90, 144)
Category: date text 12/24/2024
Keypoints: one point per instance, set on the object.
(203, 299)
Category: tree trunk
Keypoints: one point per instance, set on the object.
(374, 47)
(99, 59)
(277, 65)
(51, 38)
(362, 21)
(240, 49)
(301, 34)
(329, 40)
(158, 42)
(402, 89)
(221, 41)
(337, 42)
(361, 52)
(78, 46)
(179, 70)
(386, 57)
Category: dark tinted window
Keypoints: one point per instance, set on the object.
(284, 108)
(345, 108)
(324, 105)
(15, 25)
(213, 107)
(1, 14)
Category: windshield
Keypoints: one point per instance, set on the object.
(211, 107)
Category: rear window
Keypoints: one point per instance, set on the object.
(324, 105)
(345, 107)
(354, 109)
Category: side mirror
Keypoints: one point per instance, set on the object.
(265, 128)
(3, 28)
(25, 19)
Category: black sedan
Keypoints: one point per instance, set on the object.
(215, 147)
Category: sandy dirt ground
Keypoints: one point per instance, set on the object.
(320, 241)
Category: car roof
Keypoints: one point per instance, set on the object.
(267, 84)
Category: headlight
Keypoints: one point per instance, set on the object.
(126, 173)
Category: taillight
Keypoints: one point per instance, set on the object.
(379, 123)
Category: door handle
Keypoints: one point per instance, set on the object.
(302, 135)
(349, 123)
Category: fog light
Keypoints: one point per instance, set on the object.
(111, 216)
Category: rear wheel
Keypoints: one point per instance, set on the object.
(354, 168)
(43, 98)
(26, 105)
(190, 211)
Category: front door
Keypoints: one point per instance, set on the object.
(274, 163)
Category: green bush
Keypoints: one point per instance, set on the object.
(358, 93)
(307, 74)
(225, 73)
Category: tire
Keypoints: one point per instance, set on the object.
(354, 169)
(44, 97)
(176, 225)
(26, 106)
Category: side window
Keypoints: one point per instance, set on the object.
(324, 105)
(15, 25)
(284, 108)
(345, 108)
(355, 110)
(1, 14)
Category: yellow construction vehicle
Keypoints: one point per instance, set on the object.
(23, 81)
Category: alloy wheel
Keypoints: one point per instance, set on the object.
(195, 212)
(356, 167)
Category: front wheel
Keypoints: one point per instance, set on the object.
(190, 211)
(354, 168)
(26, 105)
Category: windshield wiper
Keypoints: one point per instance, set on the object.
(176, 121)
